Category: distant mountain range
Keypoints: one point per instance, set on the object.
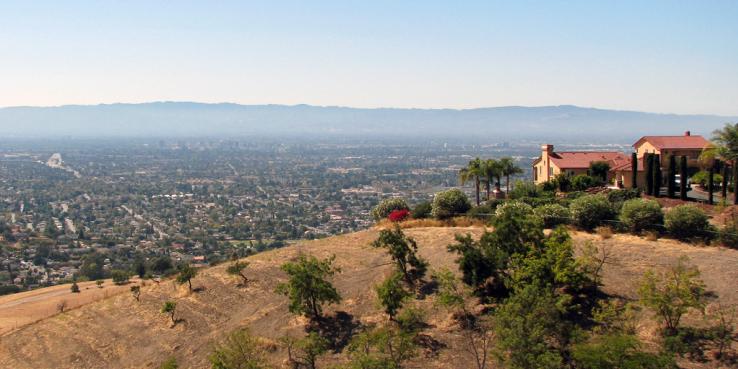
(186, 119)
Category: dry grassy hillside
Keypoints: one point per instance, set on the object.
(118, 332)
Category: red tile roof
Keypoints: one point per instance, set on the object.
(582, 159)
(674, 142)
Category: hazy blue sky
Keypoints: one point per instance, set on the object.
(660, 56)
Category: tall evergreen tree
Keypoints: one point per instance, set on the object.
(671, 180)
(683, 178)
(724, 183)
(649, 174)
(634, 170)
(656, 175)
(711, 184)
(735, 182)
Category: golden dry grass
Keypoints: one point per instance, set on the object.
(118, 332)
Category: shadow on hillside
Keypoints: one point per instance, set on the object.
(337, 328)
(427, 288)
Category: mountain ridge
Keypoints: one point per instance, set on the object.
(181, 119)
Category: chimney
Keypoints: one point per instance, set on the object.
(687, 133)
(548, 149)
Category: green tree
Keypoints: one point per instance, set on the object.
(304, 352)
(473, 171)
(529, 330)
(449, 203)
(92, 266)
(599, 169)
(239, 350)
(120, 277)
(308, 288)
(673, 292)
(382, 348)
(618, 351)
(392, 294)
(509, 168)
(170, 308)
(186, 273)
(237, 268)
(404, 252)
(75, 287)
(725, 143)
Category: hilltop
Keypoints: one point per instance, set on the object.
(182, 119)
(118, 332)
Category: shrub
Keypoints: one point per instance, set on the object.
(618, 197)
(75, 287)
(481, 212)
(120, 277)
(538, 201)
(524, 189)
(672, 293)
(590, 211)
(512, 209)
(640, 215)
(398, 215)
(386, 206)
(582, 182)
(239, 350)
(552, 215)
(686, 222)
(562, 182)
(422, 210)
(449, 203)
(702, 177)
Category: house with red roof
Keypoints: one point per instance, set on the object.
(687, 145)
(571, 163)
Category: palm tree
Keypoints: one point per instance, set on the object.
(509, 168)
(472, 171)
(724, 146)
(726, 141)
(490, 171)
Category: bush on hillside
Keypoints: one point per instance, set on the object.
(552, 215)
(562, 182)
(618, 197)
(514, 210)
(686, 222)
(447, 204)
(524, 189)
(398, 215)
(641, 215)
(385, 207)
(583, 182)
(120, 277)
(482, 212)
(590, 211)
(537, 201)
(422, 210)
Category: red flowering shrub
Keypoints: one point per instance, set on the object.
(398, 215)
